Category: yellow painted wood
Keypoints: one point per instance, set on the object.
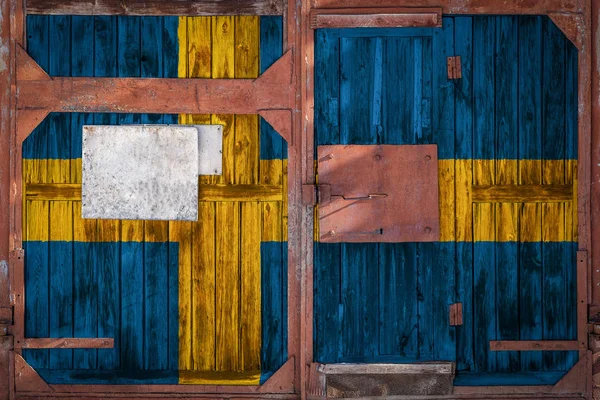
(447, 200)
(227, 286)
(464, 211)
(530, 226)
(284, 222)
(523, 193)
(484, 218)
(220, 378)
(571, 209)
(37, 212)
(250, 324)
(61, 212)
(553, 215)
(271, 173)
(507, 217)
(203, 279)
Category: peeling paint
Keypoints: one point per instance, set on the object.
(3, 55)
(3, 268)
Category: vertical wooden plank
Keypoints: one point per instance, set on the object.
(463, 154)
(359, 96)
(328, 310)
(227, 226)
(273, 257)
(442, 255)
(85, 312)
(530, 172)
(199, 45)
(553, 215)
(105, 64)
(61, 213)
(35, 147)
(398, 329)
(250, 313)
(155, 302)
(483, 173)
(227, 287)
(507, 272)
(203, 289)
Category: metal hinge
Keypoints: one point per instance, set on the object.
(454, 68)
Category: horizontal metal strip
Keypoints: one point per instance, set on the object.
(156, 7)
(207, 193)
(534, 345)
(413, 368)
(68, 343)
(522, 193)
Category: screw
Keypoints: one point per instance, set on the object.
(427, 229)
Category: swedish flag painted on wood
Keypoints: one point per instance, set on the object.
(201, 302)
(509, 122)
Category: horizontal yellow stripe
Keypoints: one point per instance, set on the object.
(501, 220)
(219, 378)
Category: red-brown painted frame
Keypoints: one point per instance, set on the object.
(580, 18)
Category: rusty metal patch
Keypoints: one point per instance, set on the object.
(378, 193)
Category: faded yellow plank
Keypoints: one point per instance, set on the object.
(246, 149)
(507, 217)
(36, 212)
(530, 224)
(573, 218)
(61, 212)
(203, 281)
(132, 231)
(76, 170)
(484, 226)
(220, 378)
(227, 286)
(180, 232)
(84, 230)
(271, 173)
(463, 176)
(446, 200)
(250, 320)
(553, 215)
(284, 222)
(109, 230)
(156, 231)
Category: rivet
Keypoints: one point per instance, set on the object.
(427, 229)
(427, 157)
(377, 157)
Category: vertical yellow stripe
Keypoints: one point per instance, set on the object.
(464, 209)
(530, 226)
(553, 215)
(447, 200)
(507, 228)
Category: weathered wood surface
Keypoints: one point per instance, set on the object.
(156, 7)
(522, 193)
(376, 18)
(533, 345)
(68, 343)
(417, 368)
(207, 192)
(465, 6)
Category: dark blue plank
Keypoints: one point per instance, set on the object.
(36, 299)
(507, 136)
(61, 300)
(464, 295)
(399, 111)
(360, 300)
(272, 145)
(173, 307)
(85, 302)
(507, 379)
(463, 89)
(443, 89)
(129, 64)
(274, 285)
(108, 377)
(399, 323)
(571, 113)
(380, 32)
(170, 56)
(132, 305)
(327, 306)
(530, 302)
(155, 306)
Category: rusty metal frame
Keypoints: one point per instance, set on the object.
(574, 18)
(577, 18)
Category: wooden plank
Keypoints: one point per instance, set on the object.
(375, 18)
(227, 286)
(207, 193)
(533, 345)
(202, 283)
(68, 343)
(525, 193)
(416, 368)
(465, 6)
(155, 7)
(250, 265)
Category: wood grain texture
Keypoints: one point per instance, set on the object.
(157, 8)
(522, 193)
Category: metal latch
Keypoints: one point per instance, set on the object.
(313, 195)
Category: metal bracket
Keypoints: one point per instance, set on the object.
(454, 68)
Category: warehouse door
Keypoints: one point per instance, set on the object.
(376, 302)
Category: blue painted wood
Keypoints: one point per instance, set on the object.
(503, 379)
(399, 324)
(273, 306)
(85, 302)
(443, 101)
(464, 295)
(507, 139)
(530, 144)
(155, 307)
(272, 145)
(108, 377)
(484, 39)
(132, 306)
